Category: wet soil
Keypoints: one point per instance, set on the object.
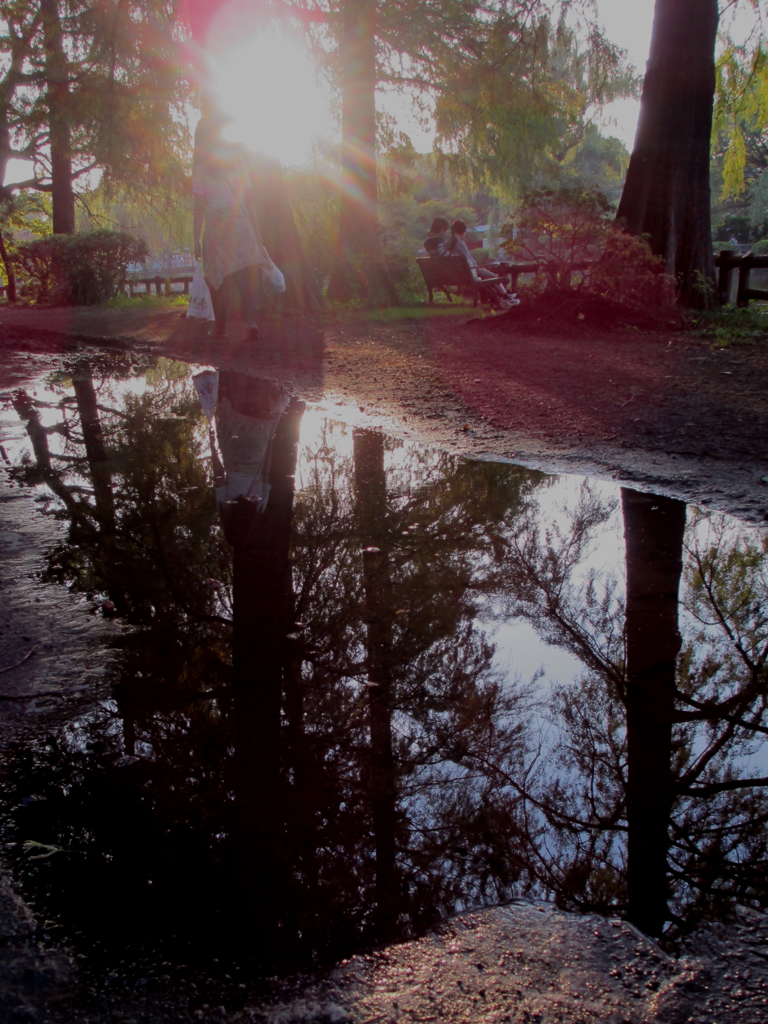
(661, 410)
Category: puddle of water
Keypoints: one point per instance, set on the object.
(364, 684)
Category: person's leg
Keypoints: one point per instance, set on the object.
(500, 292)
(245, 284)
(219, 300)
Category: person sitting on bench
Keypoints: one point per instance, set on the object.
(455, 245)
(437, 234)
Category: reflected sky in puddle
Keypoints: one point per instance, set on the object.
(374, 683)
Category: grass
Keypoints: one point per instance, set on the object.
(123, 301)
(732, 326)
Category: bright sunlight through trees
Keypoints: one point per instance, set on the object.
(270, 86)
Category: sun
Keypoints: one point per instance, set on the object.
(269, 85)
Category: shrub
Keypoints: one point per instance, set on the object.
(568, 230)
(561, 229)
(628, 272)
(79, 270)
(760, 248)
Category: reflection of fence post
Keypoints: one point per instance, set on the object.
(371, 501)
(745, 266)
(727, 260)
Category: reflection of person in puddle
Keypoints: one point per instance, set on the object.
(247, 412)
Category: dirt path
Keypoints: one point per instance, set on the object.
(529, 962)
(660, 410)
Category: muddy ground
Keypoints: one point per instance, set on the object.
(658, 410)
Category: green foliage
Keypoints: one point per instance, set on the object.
(730, 325)
(760, 248)
(741, 107)
(595, 162)
(315, 203)
(84, 269)
(517, 112)
(25, 214)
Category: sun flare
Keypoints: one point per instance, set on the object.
(269, 85)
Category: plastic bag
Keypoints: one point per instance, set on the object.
(207, 384)
(272, 279)
(200, 305)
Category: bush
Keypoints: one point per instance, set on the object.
(628, 272)
(559, 228)
(568, 231)
(760, 248)
(79, 270)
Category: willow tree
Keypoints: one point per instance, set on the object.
(667, 193)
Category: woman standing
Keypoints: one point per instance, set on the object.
(232, 245)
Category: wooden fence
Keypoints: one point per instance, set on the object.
(147, 282)
(727, 263)
(159, 283)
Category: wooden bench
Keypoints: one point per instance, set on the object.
(444, 272)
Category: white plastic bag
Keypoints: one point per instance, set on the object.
(207, 384)
(272, 279)
(200, 305)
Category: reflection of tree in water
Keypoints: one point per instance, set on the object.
(367, 795)
(672, 825)
(363, 767)
(398, 680)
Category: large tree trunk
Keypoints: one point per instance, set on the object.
(653, 532)
(666, 194)
(371, 500)
(357, 270)
(58, 100)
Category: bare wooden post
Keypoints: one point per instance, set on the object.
(158, 285)
(745, 266)
(726, 261)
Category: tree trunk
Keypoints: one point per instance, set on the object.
(653, 532)
(93, 437)
(357, 271)
(371, 497)
(58, 100)
(666, 194)
(281, 236)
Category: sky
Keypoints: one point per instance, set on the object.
(628, 24)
